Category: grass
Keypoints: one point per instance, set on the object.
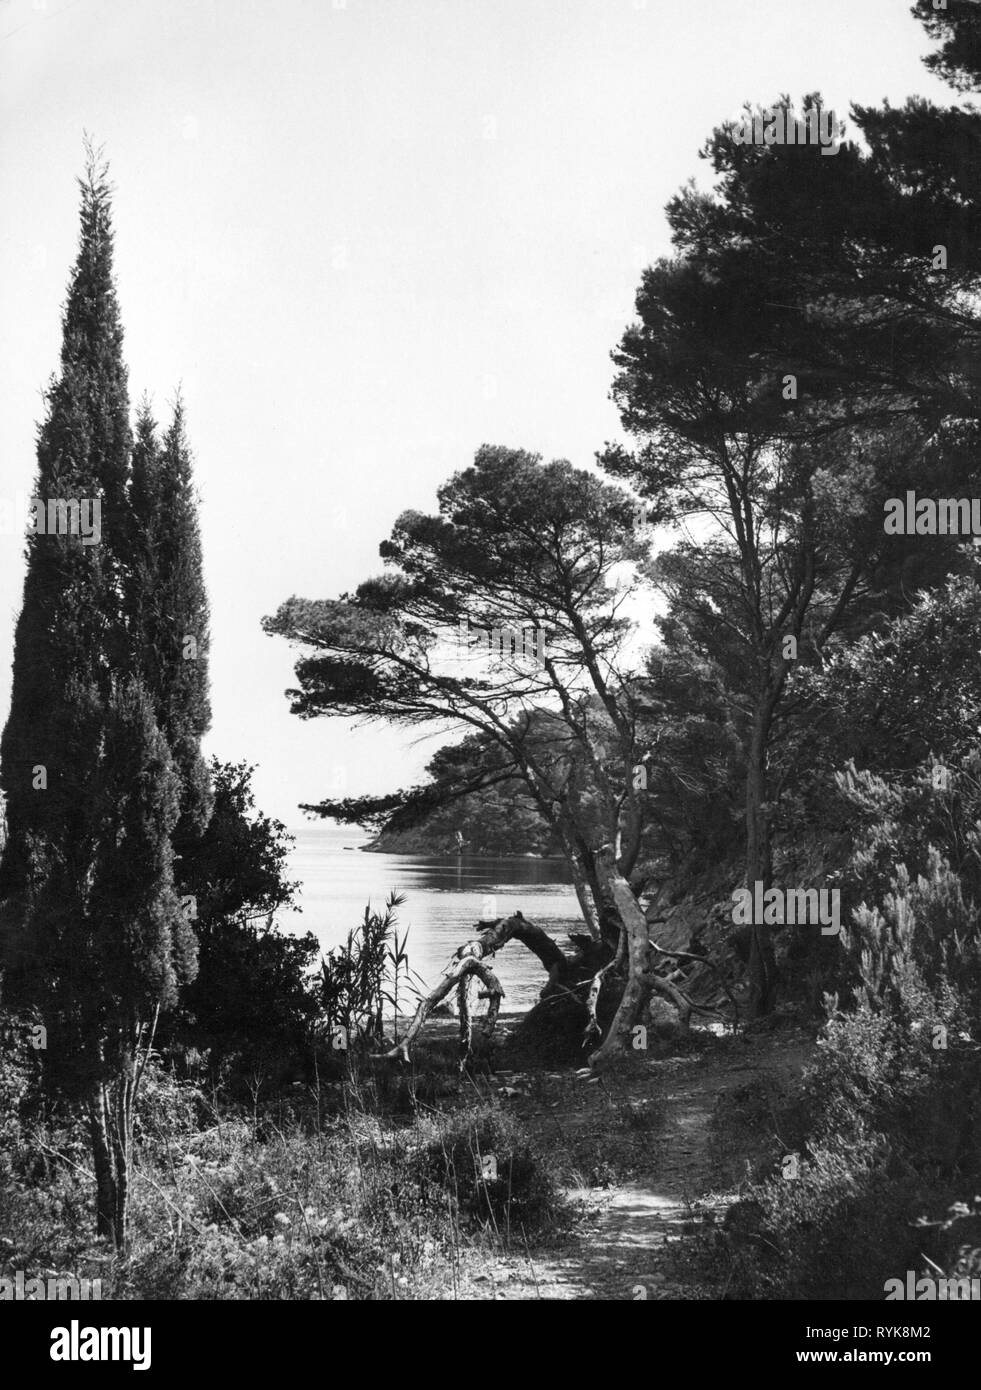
(372, 1184)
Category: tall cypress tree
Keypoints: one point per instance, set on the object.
(168, 607)
(94, 935)
(69, 637)
(139, 940)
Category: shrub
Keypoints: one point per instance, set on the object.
(893, 1103)
(485, 1163)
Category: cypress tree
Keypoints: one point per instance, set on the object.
(168, 607)
(140, 945)
(95, 936)
(68, 636)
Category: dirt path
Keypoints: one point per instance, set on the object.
(628, 1242)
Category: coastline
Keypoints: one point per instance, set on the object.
(440, 851)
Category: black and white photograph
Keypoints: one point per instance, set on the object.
(490, 668)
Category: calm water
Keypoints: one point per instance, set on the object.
(445, 895)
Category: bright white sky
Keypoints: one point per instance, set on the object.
(368, 237)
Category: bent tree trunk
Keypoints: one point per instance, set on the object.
(456, 977)
(637, 990)
(608, 914)
(468, 961)
(642, 980)
(573, 975)
(581, 886)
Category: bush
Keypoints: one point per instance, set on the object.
(893, 1104)
(892, 1132)
(484, 1162)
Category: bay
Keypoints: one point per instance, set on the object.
(445, 896)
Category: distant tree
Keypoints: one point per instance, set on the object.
(515, 545)
(474, 789)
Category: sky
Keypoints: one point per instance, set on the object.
(364, 237)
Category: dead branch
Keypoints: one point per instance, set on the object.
(702, 960)
(456, 975)
(538, 942)
(659, 985)
(592, 998)
(467, 962)
(466, 1022)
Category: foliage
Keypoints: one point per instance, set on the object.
(167, 607)
(474, 790)
(359, 978)
(309, 1200)
(894, 1101)
(251, 1006)
(100, 755)
(495, 1176)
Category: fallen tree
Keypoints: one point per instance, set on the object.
(578, 975)
(468, 961)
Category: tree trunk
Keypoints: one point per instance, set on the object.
(574, 858)
(762, 962)
(631, 836)
(606, 909)
(112, 1110)
(637, 991)
(121, 1162)
(105, 1183)
(582, 893)
(124, 1089)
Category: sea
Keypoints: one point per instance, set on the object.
(445, 896)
